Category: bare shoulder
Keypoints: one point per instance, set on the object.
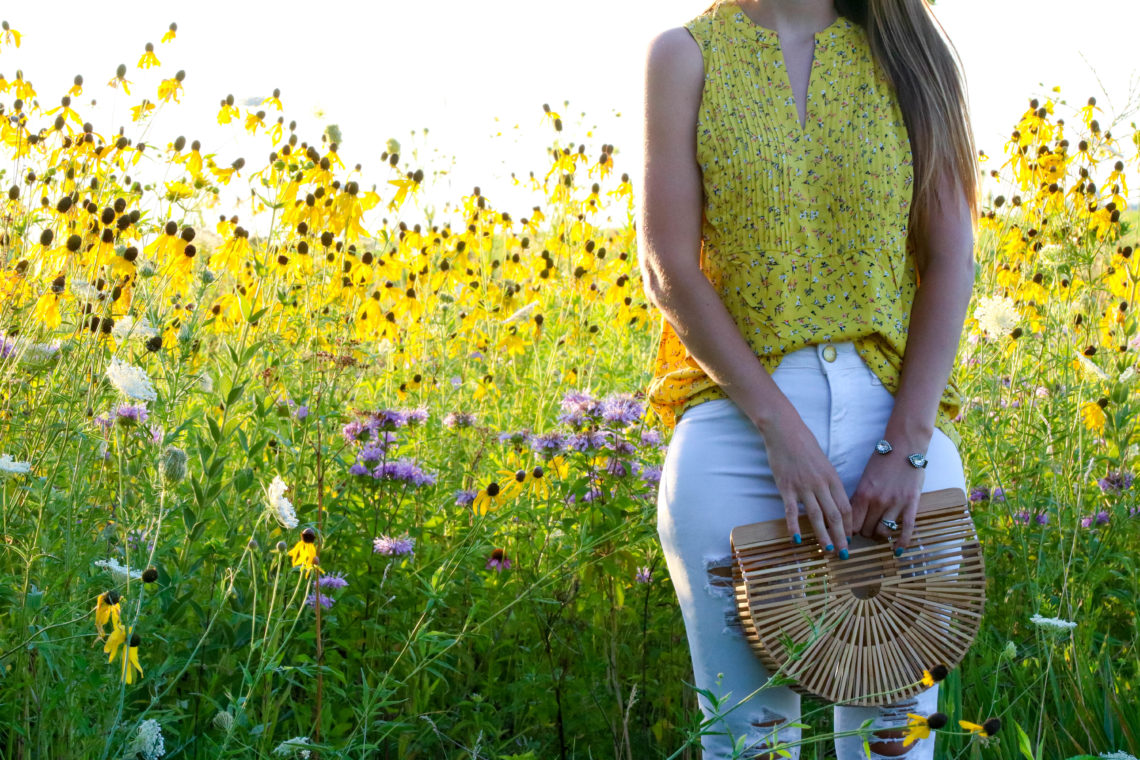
(675, 56)
(674, 76)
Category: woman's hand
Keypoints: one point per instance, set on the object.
(803, 473)
(889, 489)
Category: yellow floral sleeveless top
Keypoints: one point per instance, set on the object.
(804, 229)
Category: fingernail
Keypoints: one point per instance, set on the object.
(830, 547)
(842, 554)
(898, 552)
(796, 538)
(849, 539)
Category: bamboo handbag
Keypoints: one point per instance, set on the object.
(861, 630)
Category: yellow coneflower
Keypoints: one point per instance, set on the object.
(8, 35)
(986, 730)
(170, 33)
(107, 608)
(168, 89)
(148, 58)
(141, 110)
(130, 659)
(304, 552)
(120, 78)
(931, 677)
(487, 499)
(919, 727)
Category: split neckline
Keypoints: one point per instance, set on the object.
(770, 36)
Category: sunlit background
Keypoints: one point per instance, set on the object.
(461, 85)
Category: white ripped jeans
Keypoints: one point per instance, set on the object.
(716, 476)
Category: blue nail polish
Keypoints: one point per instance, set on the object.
(842, 554)
(849, 539)
(796, 538)
(898, 552)
(831, 547)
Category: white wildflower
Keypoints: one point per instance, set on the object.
(128, 327)
(293, 747)
(1127, 376)
(522, 313)
(9, 466)
(148, 742)
(1056, 624)
(1118, 755)
(131, 381)
(281, 507)
(996, 315)
(84, 290)
(1094, 372)
(206, 383)
(119, 572)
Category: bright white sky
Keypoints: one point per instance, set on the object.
(477, 73)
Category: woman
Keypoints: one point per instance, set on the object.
(807, 166)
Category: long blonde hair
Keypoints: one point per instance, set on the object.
(923, 67)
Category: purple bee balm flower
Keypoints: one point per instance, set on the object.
(131, 414)
(651, 475)
(1022, 517)
(464, 497)
(359, 469)
(1086, 522)
(548, 444)
(371, 454)
(454, 420)
(998, 494)
(1115, 482)
(7, 348)
(643, 575)
(587, 441)
(301, 413)
(498, 561)
(156, 434)
(1102, 517)
(393, 547)
(312, 600)
(404, 470)
(651, 437)
(514, 438)
(353, 431)
(104, 421)
(622, 409)
(577, 402)
(979, 493)
(417, 416)
(1042, 518)
(622, 446)
(335, 580)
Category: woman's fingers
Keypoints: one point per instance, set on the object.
(834, 518)
(818, 523)
(908, 518)
(792, 515)
(840, 496)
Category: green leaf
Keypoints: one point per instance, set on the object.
(1023, 742)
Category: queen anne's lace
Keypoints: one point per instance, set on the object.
(131, 381)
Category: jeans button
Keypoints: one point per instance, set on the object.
(829, 352)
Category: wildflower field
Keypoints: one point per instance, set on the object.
(361, 487)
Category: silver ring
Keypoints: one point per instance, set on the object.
(890, 524)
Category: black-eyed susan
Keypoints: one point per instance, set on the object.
(989, 728)
(487, 499)
(919, 727)
(131, 660)
(934, 675)
(304, 552)
(107, 609)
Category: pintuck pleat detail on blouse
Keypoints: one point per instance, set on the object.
(804, 229)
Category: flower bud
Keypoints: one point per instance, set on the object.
(173, 464)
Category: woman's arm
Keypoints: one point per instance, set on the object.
(669, 241)
(945, 260)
